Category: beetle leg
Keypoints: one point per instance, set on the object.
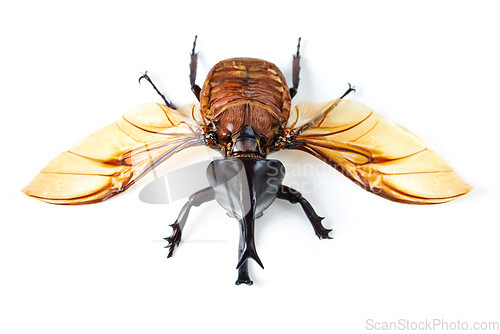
(192, 70)
(293, 196)
(350, 89)
(295, 71)
(196, 199)
(148, 79)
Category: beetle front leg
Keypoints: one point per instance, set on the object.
(350, 89)
(294, 196)
(146, 77)
(295, 71)
(193, 66)
(196, 199)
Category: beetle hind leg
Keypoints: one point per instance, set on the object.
(196, 199)
(294, 196)
(174, 239)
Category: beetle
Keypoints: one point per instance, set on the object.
(245, 112)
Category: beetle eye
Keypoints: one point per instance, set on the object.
(223, 137)
(262, 139)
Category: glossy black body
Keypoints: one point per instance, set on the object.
(245, 187)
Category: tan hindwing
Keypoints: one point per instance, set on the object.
(112, 159)
(374, 152)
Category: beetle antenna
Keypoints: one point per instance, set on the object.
(146, 77)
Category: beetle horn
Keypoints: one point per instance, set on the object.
(247, 243)
(249, 253)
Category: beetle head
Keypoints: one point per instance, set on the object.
(245, 143)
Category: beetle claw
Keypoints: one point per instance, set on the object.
(324, 234)
(144, 76)
(174, 239)
(319, 229)
(350, 89)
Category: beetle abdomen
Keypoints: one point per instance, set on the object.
(245, 81)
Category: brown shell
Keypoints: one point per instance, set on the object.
(245, 91)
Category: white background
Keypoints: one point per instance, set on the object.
(68, 69)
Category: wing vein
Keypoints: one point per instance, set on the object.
(312, 135)
(364, 134)
(122, 130)
(107, 162)
(149, 131)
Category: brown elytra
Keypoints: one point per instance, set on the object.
(245, 91)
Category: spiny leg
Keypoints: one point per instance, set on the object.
(295, 71)
(196, 199)
(148, 79)
(294, 196)
(193, 66)
(350, 89)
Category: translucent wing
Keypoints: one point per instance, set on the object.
(374, 152)
(112, 159)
